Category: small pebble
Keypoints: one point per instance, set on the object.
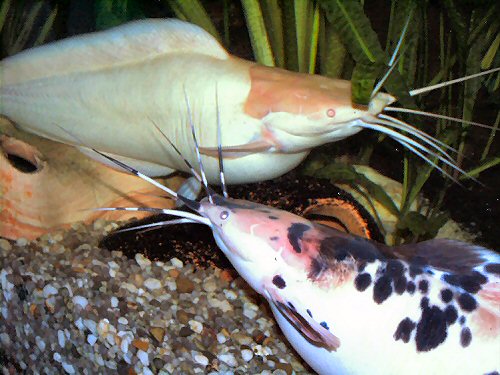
(229, 359)
(142, 261)
(80, 300)
(5, 245)
(152, 284)
(49, 290)
(184, 285)
(68, 368)
(201, 359)
(196, 326)
(158, 333)
(221, 338)
(247, 355)
(21, 242)
(176, 263)
(143, 357)
(91, 339)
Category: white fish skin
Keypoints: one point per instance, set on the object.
(396, 323)
(107, 88)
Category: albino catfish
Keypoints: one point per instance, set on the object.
(107, 87)
(349, 305)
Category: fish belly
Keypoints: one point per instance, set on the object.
(113, 110)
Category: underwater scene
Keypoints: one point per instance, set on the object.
(249, 187)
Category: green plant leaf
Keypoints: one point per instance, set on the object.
(194, 12)
(487, 60)
(111, 13)
(363, 80)
(47, 26)
(258, 34)
(290, 38)
(4, 9)
(343, 173)
(273, 19)
(355, 29)
(481, 168)
(421, 226)
(332, 50)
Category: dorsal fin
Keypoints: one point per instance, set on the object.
(126, 44)
(447, 255)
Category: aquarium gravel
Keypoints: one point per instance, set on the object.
(68, 306)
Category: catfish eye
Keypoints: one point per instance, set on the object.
(224, 215)
(330, 112)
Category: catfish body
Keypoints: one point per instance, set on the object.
(349, 305)
(105, 90)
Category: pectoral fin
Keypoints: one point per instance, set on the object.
(310, 328)
(233, 152)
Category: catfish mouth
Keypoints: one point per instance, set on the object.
(334, 133)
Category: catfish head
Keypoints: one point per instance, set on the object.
(301, 111)
(261, 241)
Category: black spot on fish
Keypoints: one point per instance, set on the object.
(467, 302)
(382, 289)
(291, 305)
(493, 268)
(450, 314)
(338, 248)
(232, 204)
(324, 325)
(424, 303)
(404, 330)
(493, 373)
(462, 320)
(279, 282)
(470, 283)
(362, 281)
(465, 337)
(273, 217)
(394, 269)
(316, 267)
(446, 295)
(400, 285)
(274, 238)
(410, 287)
(431, 329)
(295, 233)
(415, 271)
(309, 313)
(423, 286)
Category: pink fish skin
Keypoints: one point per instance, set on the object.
(350, 305)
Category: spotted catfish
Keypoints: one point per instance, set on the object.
(350, 305)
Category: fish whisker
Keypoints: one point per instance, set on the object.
(381, 126)
(219, 147)
(428, 139)
(451, 82)
(437, 115)
(197, 147)
(177, 213)
(157, 225)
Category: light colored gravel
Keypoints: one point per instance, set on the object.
(67, 306)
